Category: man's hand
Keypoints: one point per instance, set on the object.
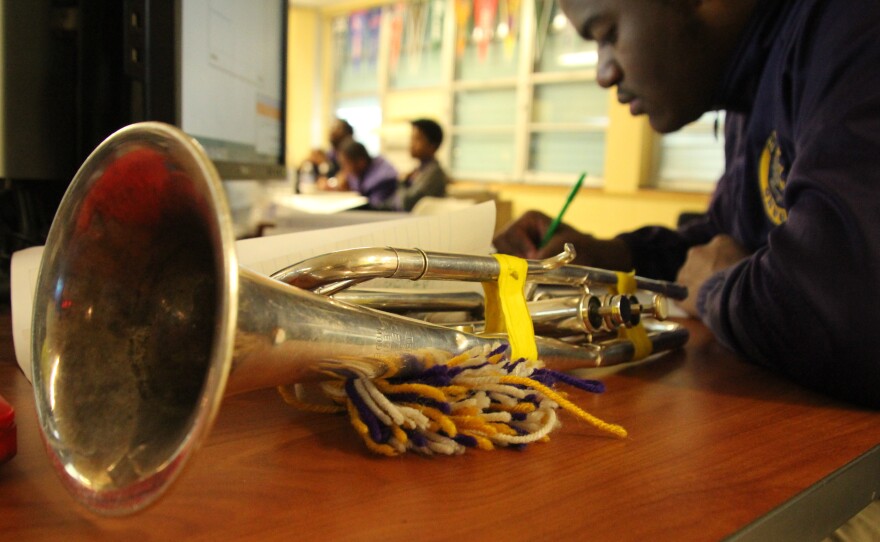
(523, 237)
(702, 262)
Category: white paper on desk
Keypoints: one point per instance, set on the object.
(24, 269)
(321, 202)
(464, 231)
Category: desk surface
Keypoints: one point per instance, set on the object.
(717, 448)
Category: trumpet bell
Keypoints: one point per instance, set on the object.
(143, 322)
(134, 316)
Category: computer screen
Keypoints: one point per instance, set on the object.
(231, 83)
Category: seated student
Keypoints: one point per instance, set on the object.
(371, 176)
(340, 132)
(786, 263)
(321, 166)
(428, 179)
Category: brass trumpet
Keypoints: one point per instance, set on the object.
(578, 307)
(143, 319)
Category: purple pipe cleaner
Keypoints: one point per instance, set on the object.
(466, 440)
(364, 411)
(593, 386)
(499, 349)
(418, 440)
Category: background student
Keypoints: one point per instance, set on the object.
(429, 178)
(371, 176)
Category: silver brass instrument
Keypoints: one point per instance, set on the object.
(579, 308)
(143, 319)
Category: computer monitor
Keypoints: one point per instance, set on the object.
(231, 83)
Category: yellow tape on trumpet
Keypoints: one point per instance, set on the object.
(506, 308)
(626, 285)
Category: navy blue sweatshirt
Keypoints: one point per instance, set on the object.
(801, 190)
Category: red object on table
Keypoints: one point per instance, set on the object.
(7, 431)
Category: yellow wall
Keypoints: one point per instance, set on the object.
(302, 68)
(625, 202)
(597, 211)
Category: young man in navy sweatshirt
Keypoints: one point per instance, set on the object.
(785, 266)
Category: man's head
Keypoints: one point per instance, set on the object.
(354, 158)
(426, 138)
(340, 131)
(666, 57)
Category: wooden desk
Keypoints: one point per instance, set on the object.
(717, 448)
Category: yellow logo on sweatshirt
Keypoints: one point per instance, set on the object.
(771, 174)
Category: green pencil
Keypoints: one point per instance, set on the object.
(551, 231)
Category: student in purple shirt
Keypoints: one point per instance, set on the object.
(371, 176)
(784, 267)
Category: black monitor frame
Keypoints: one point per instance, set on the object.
(148, 87)
(76, 71)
